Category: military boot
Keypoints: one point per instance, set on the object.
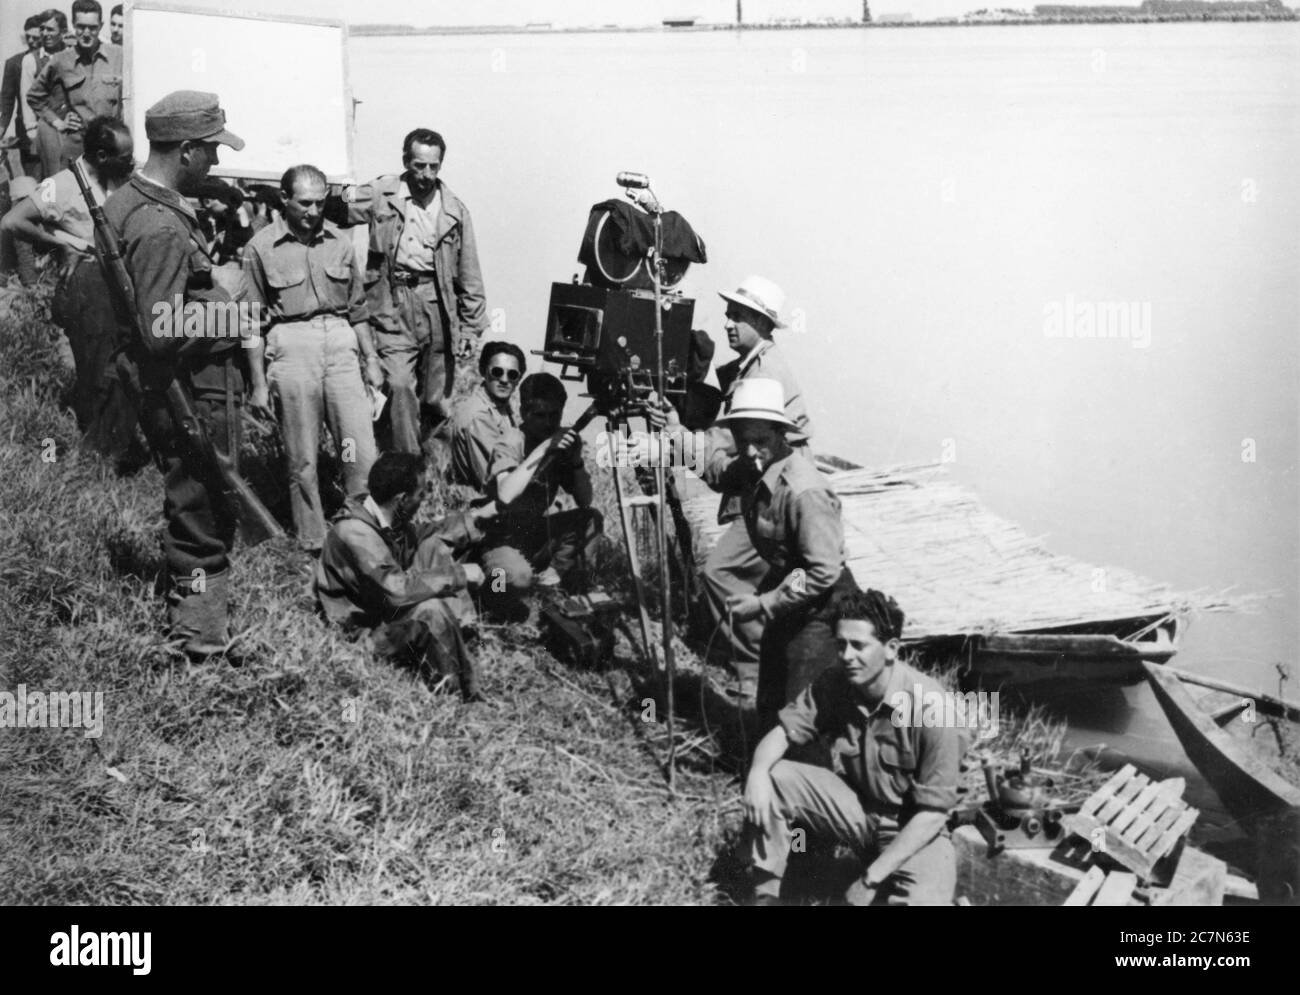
(196, 612)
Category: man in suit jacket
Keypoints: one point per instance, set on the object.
(18, 157)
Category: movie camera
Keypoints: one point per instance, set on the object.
(603, 330)
(627, 332)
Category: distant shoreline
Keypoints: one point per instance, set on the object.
(385, 30)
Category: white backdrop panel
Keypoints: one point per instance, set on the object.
(283, 84)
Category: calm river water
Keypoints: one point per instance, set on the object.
(928, 198)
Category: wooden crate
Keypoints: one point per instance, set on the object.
(1135, 821)
(1048, 877)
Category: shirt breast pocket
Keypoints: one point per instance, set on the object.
(288, 289)
(110, 90)
(897, 762)
(339, 276)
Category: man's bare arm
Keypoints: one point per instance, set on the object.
(23, 222)
(760, 797)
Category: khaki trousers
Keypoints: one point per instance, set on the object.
(315, 374)
(822, 803)
(418, 366)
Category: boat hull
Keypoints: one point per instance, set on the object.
(1092, 655)
(1234, 768)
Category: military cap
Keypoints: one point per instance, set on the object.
(189, 114)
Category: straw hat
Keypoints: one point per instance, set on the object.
(759, 399)
(759, 294)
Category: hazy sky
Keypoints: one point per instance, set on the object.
(570, 13)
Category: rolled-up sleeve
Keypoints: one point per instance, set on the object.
(507, 454)
(938, 770)
(255, 282)
(813, 522)
(799, 718)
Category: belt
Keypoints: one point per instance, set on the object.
(409, 278)
(315, 319)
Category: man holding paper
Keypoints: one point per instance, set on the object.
(303, 278)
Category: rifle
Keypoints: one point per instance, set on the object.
(216, 468)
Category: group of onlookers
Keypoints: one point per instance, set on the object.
(64, 78)
(368, 349)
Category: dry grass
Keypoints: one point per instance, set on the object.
(313, 774)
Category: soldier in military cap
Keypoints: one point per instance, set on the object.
(164, 252)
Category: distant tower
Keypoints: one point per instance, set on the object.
(740, 14)
(866, 12)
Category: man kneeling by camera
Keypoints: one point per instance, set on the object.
(527, 542)
(379, 571)
(894, 780)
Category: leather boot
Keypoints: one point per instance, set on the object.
(199, 617)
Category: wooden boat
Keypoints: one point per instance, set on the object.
(1233, 755)
(978, 591)
(1098, 652)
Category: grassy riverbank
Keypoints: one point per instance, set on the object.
(311, 774)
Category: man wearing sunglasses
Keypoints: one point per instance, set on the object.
(89, 73)
(55, 217)
(482, 420)
(423, 286)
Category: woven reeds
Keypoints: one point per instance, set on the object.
(958, 569)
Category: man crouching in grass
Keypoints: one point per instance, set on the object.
(893, 784)
(379, 571)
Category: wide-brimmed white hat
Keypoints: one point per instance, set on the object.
(761, 400)
(759, 294)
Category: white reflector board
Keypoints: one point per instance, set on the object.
(282, 82)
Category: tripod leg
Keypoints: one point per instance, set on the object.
(682, 552)
(629, 541)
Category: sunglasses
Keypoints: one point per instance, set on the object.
(500, 373)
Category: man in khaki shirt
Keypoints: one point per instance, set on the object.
(483, 419)
(89, 73)
(302, 273)
(894, 778)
